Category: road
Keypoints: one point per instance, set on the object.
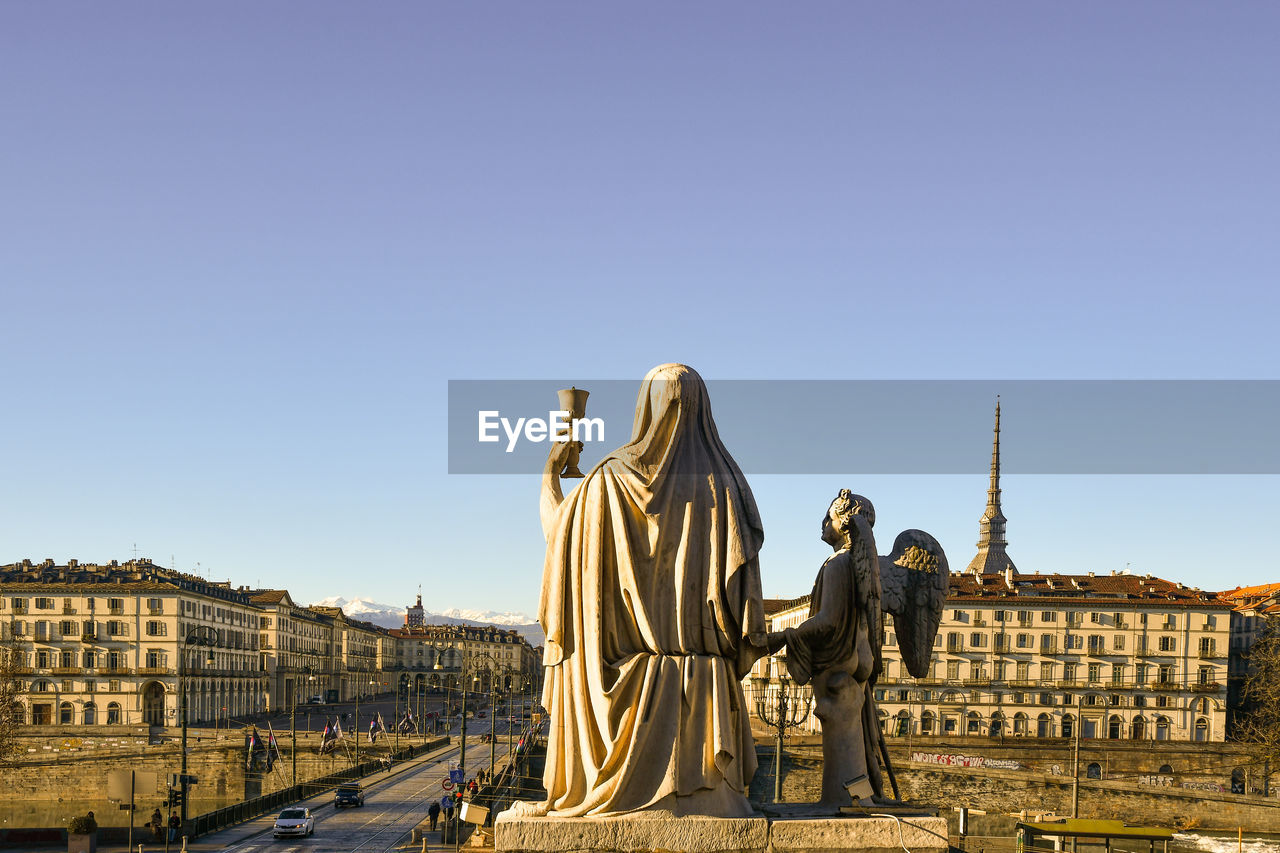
(394, 804)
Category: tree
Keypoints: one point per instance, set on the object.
(1262, 699)
(11, 667)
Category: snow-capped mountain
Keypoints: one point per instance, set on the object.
(485, 617)
(393, 617)
(366, 609)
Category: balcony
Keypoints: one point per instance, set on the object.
(1206, 687)
(954, 648)
(115, 670)
(977, 682)
(1166, 685)
(1049, 649)
(1024, 683)
(1118, 685)
(68, 611)
(89, 637)
(1098, 651)
(115, 611)
(1002, 647)
(1207, 654)
(155, 611)
(155, 670)
(67, 670)
(1068, 683)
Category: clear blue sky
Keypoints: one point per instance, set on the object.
(243, 247)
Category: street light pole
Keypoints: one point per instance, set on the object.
(790, 709)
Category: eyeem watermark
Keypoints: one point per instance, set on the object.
(557, 427)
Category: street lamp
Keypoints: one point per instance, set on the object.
(201, 635)
(790, 706)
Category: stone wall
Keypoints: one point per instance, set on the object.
(1015, 776)
(59, 775)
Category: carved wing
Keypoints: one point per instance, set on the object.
(862, 549)
(913, 582)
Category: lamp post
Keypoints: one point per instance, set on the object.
(788, 709)
(200, 635)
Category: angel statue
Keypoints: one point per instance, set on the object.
(838, 646)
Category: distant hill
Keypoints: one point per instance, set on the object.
(389, 616)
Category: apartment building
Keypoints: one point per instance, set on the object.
(433, 657)
(1252, 607)
(299, 652)
(105, 644)
(1121, 656)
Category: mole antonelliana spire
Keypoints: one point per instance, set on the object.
(991, 557)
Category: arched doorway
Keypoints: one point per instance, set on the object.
(1162, 728)
(90, 714)
(1068, 725)
(902, 725)
(153, 704)
(1094, 770)
(1115, 727)
(1044, 726)
(996, 728)
(1019, 723)
(1138, 731)
(926, 723)
(973, 724)
(1201, 731)
(66, 714)
(113, 714)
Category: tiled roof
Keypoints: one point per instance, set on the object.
(268, 596)
(1144, 590)
(1264, 598)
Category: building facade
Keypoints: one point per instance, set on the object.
(105, 644)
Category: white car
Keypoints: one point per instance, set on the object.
(294, 821)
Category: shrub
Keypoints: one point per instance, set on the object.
(84, 825)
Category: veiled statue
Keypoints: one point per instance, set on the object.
(652, 610)
(838, 648)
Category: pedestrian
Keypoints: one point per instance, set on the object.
(175, 824)
(157, 825)
(434, 814)
(472, 788)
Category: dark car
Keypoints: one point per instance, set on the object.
(348, 795)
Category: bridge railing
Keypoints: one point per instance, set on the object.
(213, 821)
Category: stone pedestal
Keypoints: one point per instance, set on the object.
(648, 833)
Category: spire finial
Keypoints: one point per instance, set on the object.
(991, 557)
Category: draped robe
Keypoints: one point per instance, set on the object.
(652, 610)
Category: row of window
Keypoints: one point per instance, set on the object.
(114, 605)
(1116, 700)
(1169, 621)
(1113, 727)
(1048, 671)
(955, 642)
